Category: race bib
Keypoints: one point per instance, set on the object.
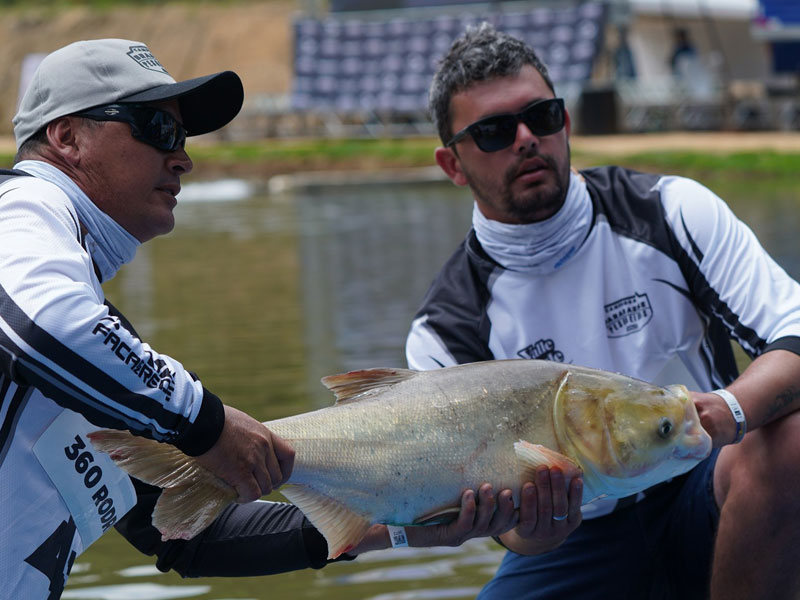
(96, 491)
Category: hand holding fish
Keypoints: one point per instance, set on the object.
(550, 509)
(490, 515)
(249, 457)
(716, 418)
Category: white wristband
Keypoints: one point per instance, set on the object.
(397, 535)
(736, 410)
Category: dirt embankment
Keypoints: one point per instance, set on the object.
(189, 39)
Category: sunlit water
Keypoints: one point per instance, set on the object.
(263, 295)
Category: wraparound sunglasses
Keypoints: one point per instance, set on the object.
(150, 125)
(542, 117)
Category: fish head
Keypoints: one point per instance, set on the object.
(629, 435)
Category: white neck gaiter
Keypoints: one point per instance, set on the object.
(541, 247)
(109, 244)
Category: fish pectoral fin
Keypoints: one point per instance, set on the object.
(349, 387)
(342, 528)
(192, 496)
(533, 456)
(440, 517)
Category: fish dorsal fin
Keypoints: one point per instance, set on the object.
(342, 528)
(350, 387)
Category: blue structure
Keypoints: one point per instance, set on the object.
(352, 65)
(780, 23)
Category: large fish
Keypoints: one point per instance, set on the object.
(399, 447)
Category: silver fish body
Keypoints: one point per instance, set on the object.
(400, 447)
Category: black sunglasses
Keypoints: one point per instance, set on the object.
(542, 117)
(150, 125)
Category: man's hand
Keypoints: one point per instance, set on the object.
(548, 513)
(715, 417)
(249, 457)
(489, 516)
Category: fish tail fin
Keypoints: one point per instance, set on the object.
(342, 528)
(182, 512)
(192, 497)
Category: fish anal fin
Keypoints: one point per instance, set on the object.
(342, 528)
(533, 456)
(446, 515)
(349, 387)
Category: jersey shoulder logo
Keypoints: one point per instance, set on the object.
(628, 315)
(542, 350)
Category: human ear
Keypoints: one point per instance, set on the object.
(449, 162)
(63, 138)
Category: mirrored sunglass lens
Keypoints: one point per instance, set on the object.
(495, 133)
(162, 131)
(156, 128)
(545, 118)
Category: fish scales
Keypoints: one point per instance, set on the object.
(421, 441)
(400, 447)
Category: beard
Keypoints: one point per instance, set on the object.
(531, 204)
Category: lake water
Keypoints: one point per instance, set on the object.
(262, 295)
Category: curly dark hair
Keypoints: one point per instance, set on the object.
(479, 54)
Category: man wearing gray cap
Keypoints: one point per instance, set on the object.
(100, 136)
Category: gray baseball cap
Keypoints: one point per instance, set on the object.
(92, 73)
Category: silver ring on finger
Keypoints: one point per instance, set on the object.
(562, 518)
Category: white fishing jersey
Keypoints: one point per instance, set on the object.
(664, 279)
(69, 364)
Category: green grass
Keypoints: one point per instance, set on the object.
(766, 163)
(312, 154)
(413, 151)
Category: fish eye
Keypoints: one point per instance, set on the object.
(665, 428)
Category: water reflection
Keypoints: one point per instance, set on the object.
(264, 295)
(367, 258)
(136, 591)
(429, 594)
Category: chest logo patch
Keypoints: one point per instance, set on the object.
(542, 350)
(628, 315)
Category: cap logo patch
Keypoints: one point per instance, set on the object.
(145, 58)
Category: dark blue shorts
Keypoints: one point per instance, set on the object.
(659, 548)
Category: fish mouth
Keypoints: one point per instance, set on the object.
(697, 444)
(697, 448)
